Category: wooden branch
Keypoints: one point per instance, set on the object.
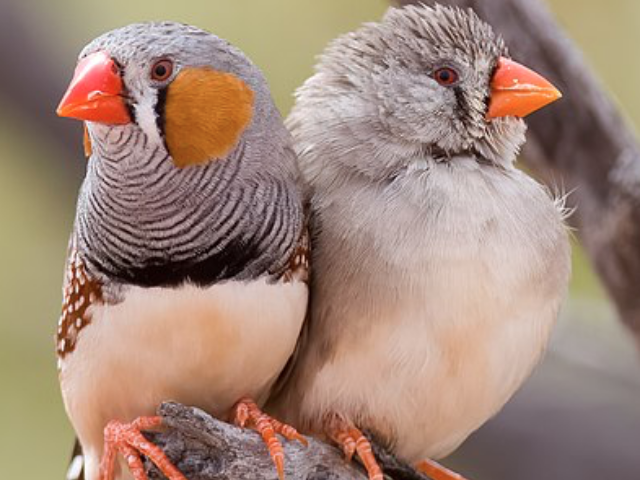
(204, 448)
(581, 144)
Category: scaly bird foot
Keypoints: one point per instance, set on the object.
(353, 441)
(127, 439)
(247, 414)
(436, 471)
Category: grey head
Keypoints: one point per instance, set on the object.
(415, 84)
(139, 48)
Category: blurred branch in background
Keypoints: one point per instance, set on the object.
(582, 142)
(34, 82)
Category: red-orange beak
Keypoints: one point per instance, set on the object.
(518, 91)
(95, 92)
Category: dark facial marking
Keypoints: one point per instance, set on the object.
(126, 97)
(160, 110)
(462, 106)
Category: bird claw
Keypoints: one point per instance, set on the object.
(247, 413)
(436, 471)
(127, 439)
(353, 441)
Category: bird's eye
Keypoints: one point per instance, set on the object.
(162, 70)
(445, 76)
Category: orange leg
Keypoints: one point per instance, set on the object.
(247, 413)
(353, 441)
(436, 471)
(127, 439)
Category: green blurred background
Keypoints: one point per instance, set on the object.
(41, 165)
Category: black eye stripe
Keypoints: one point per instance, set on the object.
(132, 111)
(119, 66)
(160, 110)
(461, 103)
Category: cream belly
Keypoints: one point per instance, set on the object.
(204, 347)
(431, 379)
(438, 307)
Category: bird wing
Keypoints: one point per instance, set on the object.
(80, 291)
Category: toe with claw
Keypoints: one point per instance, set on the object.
(353, 441)
(127, 439)
(246, 413)
(436, 471)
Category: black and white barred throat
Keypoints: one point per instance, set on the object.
(143, 221)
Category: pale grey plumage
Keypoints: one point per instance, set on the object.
(438, 267)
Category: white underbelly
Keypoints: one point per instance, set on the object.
(434, 296)
(204, 347)
(435, 369)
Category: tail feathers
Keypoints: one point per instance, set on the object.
(76, 465)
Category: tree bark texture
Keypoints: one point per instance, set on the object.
(580, 144)
(204, 448)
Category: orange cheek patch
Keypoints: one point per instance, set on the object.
(86, 142)
(206, 112)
